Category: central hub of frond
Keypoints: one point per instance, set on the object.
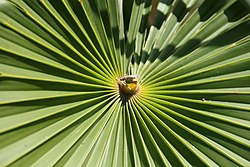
(128, 85)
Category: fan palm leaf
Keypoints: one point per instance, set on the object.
(66, 68)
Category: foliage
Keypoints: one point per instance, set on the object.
(59, 97)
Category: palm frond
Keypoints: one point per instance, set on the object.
(60, 103)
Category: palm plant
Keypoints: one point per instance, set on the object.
(94, 83)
